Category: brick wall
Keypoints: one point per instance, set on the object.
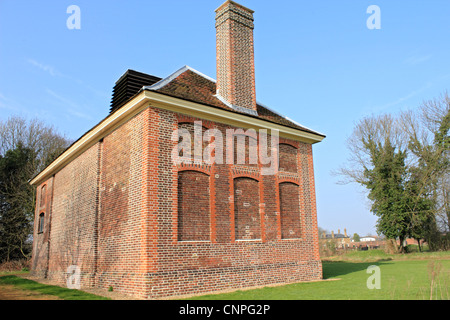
(118, 213)
(244, 249)
(41, 239)
(120, 243)
(72, 238)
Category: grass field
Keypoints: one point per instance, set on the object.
(413, 276)
(48, 290)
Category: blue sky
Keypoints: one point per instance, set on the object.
(316, 62)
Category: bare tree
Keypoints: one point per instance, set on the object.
(369, 133)
(429, 143)
(26, 148)
(44, 140)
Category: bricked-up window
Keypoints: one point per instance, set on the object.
(288, 158)
(41, 223)
(246, 209)
(43, 194)
(290, 211)
(193, 206)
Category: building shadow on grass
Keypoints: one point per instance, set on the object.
(334, 269)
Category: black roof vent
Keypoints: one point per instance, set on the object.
(128, 86)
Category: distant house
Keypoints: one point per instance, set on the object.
(369, 242)
(341, 240)
(368, 238)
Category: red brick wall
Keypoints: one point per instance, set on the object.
(73, 217)
(120, 244)
(225, 262)
(118, 214)
(41, 240)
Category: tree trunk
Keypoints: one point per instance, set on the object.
(401, 248)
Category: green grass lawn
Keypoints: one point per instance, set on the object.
(407, 277)
(380, 254)
(63, 293)
(413, 276)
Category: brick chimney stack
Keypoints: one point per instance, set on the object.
(235, 56)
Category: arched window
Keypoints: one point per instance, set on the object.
(246, 209)
(288, 158)
(193, 206)
(290, 210)
(41, 223)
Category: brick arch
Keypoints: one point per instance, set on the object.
(247, 220)
(204, 127)
(242, 172)
(194, 209)
(292, 143)
(289, 208)
(288, 178)
(188, 119)
(203, 168)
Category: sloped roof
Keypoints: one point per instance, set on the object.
(190, 84)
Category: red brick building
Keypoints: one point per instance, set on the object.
(118, 207)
